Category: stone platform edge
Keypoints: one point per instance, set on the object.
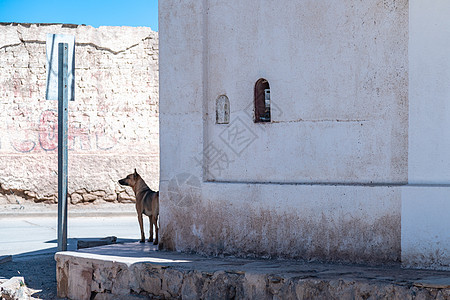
(166, 275)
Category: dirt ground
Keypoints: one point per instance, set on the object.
(39, 272)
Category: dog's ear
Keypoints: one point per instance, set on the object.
(135, 172)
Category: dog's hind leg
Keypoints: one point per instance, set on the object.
(150, 239)
(141, 226)
(155, 221)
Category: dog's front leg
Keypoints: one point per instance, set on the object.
(155, 221)
(141, 226)
(150, 239)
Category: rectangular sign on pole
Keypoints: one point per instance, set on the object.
(51, 91)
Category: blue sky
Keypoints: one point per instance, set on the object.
(90, 12)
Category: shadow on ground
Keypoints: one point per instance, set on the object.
(39, 267)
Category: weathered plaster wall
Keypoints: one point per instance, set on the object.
(321, 181)
(340, 223)
(113, 122)
(338, 75)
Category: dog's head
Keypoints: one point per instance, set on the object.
(130, 180)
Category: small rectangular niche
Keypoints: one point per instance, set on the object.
(222, 110)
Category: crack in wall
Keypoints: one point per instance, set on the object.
(19, 34)
(95, 46)
(10, 46)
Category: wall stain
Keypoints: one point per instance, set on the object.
(259, 232)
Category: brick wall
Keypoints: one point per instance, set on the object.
(113, 122)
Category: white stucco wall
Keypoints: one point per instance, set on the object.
(426, 200)
(425, 227)
(322, 181)
(338, 78)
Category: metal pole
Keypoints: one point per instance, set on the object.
(62, 144)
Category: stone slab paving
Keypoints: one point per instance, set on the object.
(140, 271)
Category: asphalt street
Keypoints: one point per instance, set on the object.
(30, 235)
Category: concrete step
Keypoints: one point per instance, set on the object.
(95, 242)
(135, 270)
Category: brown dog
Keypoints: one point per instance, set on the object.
(147, 203)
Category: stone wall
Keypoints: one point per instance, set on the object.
(104, 274)
(113, 122)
